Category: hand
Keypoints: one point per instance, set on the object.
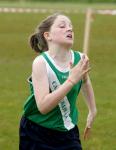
(81, 69)
(87, 130)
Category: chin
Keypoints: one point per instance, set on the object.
(69, 44)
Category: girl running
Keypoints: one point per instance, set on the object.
(50, 116)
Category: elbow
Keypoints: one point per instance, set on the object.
(42, 106)
(42, 110)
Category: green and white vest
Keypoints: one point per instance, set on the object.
(65, 115)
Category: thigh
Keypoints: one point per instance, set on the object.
(25, 141)
(74, 140)
(27, 138)
(32, 137)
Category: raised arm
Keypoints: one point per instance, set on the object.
(47, 101)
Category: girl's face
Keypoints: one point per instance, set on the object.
(61, 31)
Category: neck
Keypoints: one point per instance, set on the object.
(61, 54)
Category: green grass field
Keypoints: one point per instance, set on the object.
(15, 66)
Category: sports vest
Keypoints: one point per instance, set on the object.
(65, 115)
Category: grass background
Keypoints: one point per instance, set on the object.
(15, 66)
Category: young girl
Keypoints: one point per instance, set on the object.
(50, 116)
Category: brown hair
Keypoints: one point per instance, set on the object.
(37, 40)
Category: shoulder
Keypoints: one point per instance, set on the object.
(38, 61)
(38, 64)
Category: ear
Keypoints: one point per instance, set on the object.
(47, 36)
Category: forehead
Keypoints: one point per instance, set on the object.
(61, 19)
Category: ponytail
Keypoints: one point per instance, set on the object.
(38, 42)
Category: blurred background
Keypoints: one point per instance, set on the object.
(18, 19)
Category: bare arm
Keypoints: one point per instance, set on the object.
(88, 93)
(90, 101)
(47, 101)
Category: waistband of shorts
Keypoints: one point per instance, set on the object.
(25, 121)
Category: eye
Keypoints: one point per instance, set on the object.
(62, 26)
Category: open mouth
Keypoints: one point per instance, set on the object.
(69, 36)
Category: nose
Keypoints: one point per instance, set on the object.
(69, 28)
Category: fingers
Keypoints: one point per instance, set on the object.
(87, 132)
(83, 63)
(86, 71)
(84, 57)
(77, 72)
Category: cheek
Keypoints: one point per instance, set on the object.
(56, 35)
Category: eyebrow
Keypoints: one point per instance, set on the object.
(62, 21)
